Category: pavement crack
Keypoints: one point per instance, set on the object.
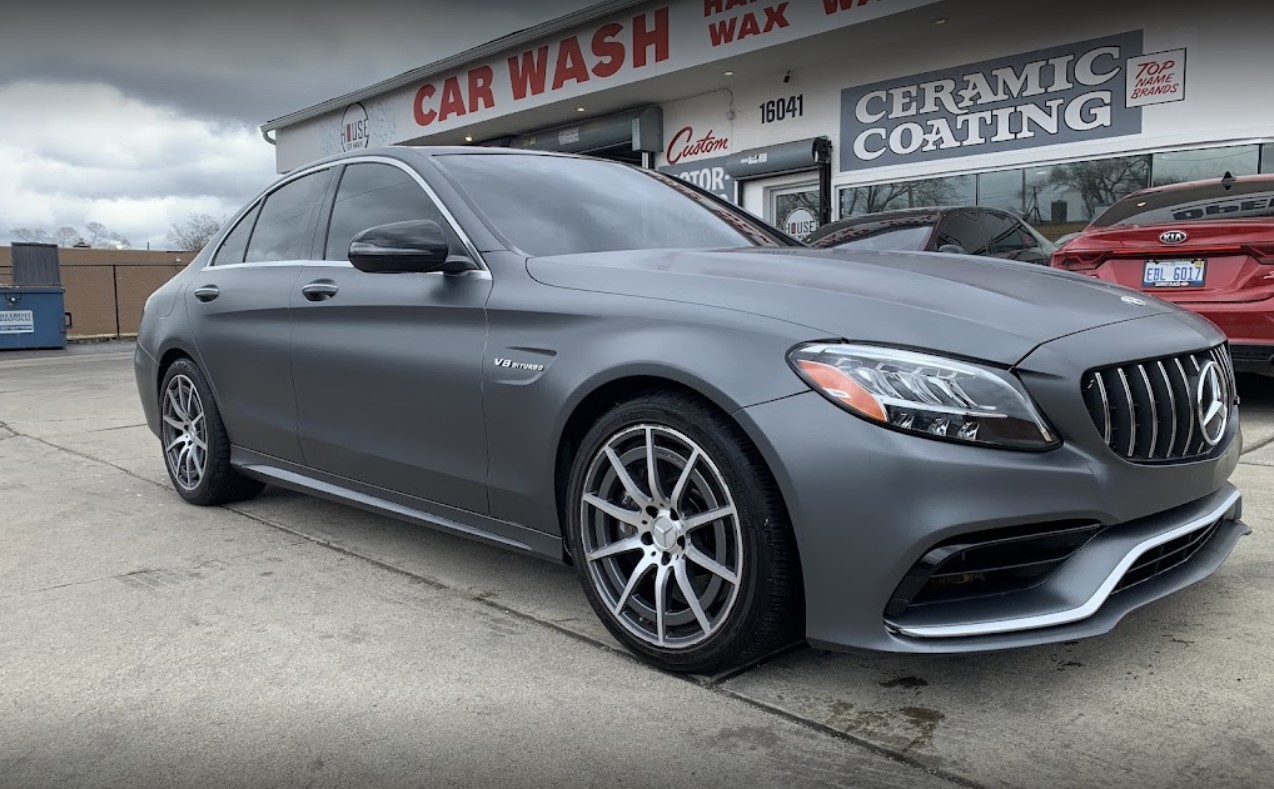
(1264, 442)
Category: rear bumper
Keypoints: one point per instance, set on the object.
(1249, 327)
(146, 370)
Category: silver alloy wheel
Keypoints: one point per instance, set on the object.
(661, 536)
(185, 432)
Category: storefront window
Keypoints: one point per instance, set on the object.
(1002, 190)
(1181, 166)
(954, 190)
(1064, 198)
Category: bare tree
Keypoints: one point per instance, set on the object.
(1102, 182)
(66, 236)
(195, 233)
(96, 231)
(36, 235)
(906, 194)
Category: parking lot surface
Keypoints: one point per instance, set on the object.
(288, 641)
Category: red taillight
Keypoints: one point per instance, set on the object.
(1078, 261)
(1263, 253)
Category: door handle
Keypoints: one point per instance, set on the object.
(207, 293)
(320, 290)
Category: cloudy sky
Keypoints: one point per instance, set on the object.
(137, 114)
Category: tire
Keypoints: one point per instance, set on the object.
(196, 450)
(625, 542)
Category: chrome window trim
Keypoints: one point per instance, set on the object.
(260, 200)
(1093, 604)
(294, 175)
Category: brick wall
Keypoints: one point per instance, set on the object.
(106, 288)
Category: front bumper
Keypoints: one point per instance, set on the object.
(867, 503)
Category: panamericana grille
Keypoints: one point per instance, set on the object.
(1148, 411)
(1162, 558)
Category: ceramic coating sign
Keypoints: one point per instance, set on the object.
(1064, 94)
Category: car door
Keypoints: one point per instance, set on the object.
(240, 318)
(961, 229)
(388, 367)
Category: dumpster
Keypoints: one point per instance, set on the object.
(33, 309)
(32, 317)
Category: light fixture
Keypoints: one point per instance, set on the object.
(727, 73)
(580, 109)
(468, 138)
(942, 20)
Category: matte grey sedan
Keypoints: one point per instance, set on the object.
(738, 442)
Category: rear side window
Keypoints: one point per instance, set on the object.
(376, 194)
(236, 243)
(963, 230)
(1206, 201)
(285, 228)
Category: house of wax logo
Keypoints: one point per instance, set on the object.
(355, 129)
(1063, 94)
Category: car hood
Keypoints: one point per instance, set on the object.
(978, 308)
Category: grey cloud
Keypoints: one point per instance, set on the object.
(249, 61)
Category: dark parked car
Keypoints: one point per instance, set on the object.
(737, 440)
(961, 231)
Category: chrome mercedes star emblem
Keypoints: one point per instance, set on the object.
(1133, 300)
(1174, 237)
(1210, 404)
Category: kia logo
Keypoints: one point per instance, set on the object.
(1173, 237)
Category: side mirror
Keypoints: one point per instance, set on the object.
(416, 246)
(952, 249)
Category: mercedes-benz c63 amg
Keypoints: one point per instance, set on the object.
(736, 440)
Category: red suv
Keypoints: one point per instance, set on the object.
(1206, 245)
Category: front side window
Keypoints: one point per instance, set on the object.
(551, 205)
(375, 194)
(236, 242)
(285, 228)
(1005, 236)
(963, 230)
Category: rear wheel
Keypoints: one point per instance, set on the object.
(680, 537)
(196, 448)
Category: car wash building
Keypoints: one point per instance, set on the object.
(805, 111)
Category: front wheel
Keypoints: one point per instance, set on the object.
(681, 538)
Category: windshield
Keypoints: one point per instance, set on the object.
(1204, 201)
(553, 205)
(907, 239)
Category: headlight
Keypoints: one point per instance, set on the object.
(926, 395)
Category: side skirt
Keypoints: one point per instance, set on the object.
(478, 527)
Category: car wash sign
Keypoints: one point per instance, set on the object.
(1064, 94)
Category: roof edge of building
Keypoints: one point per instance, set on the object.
(482, 51)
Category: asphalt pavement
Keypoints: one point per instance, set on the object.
(289, 641)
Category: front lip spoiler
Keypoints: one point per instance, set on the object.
(1094, 602)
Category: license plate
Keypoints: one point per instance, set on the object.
(1173, 274)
